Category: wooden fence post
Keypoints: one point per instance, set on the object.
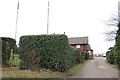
(11, 58)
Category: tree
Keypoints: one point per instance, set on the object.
(118, 31)
(113, 22)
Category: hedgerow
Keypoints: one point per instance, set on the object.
(87, 55)
(117, 60)
(113, 56)
(48, 51)
(7, 45)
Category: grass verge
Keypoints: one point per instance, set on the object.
(13, 73)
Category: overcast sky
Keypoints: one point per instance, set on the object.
(77, 18)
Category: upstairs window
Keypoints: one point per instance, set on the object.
(77, 46)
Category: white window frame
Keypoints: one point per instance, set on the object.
(77, 46)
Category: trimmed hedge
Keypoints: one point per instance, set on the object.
(113, 56)
(7, 45)
(50, 51)
(87, 55)
(117, 60)
(110, 57)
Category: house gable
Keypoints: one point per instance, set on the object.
(78, 40)
(79, 43)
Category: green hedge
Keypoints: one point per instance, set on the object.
(117, 60)
(110, 57)
(113, 56)
(51, 52)
(87, 55)
(7, 45)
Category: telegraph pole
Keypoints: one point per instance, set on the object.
(16, 20)
(48, 19)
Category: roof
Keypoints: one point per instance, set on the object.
(78, 40)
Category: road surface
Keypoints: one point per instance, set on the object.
(97, 68)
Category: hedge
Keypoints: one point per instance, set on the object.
(7, 45)
(113, 56)
(86, 55)
(48, 51)
(117, 60)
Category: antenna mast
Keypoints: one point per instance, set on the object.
(16, 20)
(48, 19)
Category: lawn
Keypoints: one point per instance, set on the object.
(46, 73)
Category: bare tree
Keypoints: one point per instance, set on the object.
(118, 31)
(114, 21)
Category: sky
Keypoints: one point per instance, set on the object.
(77, 18)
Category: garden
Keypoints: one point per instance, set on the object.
(41, 56)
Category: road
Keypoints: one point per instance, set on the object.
(97, 68)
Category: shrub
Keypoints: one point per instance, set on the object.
(15, 62)
(7, 45)
(86, 55)
(82, 56)
(51, 52)
(113, 56)
(117, 60)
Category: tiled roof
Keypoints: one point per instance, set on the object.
(78, 40)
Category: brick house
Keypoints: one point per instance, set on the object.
(90, 51)
(82, 44)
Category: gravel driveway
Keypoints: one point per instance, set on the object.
(97, 68)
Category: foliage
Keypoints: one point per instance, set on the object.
(15, 61)
(51, 52)
(87, 55)
(118, 51)
(7, 45)
(113, 56)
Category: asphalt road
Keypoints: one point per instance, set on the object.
(97, 68)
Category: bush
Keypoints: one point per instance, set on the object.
(110, 57)
(113, 56)
(16, 61)
(7, 45)
(118, 52)
(51, 52)
(86, 55)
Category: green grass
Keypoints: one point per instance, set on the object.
(73, 70)
(12, 73)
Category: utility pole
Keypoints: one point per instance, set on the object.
(48, 19)
(16, 20)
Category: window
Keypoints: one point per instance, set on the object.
(77, 46)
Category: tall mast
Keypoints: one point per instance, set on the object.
(48, 19)
(16, 20)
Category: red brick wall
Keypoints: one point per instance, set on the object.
(82, 47)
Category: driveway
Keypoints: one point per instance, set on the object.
(97, 68)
